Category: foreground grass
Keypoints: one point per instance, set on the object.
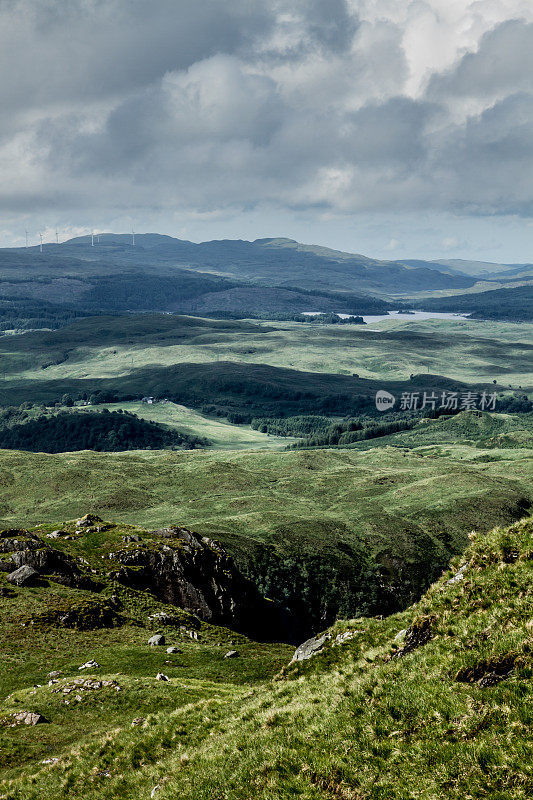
(354, 722)
(32, 645)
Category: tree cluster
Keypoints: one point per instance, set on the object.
(102, 431)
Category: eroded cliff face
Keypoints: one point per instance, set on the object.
(197, 574)
(175, 565)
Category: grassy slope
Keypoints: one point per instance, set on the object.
(485, 431)
(29, 650)
(222, 435)
(309, 501)
(350, 723)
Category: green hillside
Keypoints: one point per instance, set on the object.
(485, 431)
(514, 304)
(110, 347)
(324, 532)
(164, 274)
(473, 428)
(434, 702)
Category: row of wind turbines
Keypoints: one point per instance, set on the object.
(95, 238)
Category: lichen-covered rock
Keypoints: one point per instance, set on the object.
(91, 664)
(310, 647)
(48, 561)
(156, 641)
(13, 541)
(29, 718)
(88, 520)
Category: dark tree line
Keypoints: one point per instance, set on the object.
(352, 431)
(301, 425)
(22, 313)
(325, 318)
(102, 431)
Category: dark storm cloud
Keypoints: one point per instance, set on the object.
(392, 133)
(502, 63)
(487, 164)
(203, 105)
(55, 52)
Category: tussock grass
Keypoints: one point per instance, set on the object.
(353, 722)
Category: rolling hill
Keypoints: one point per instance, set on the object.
(514, 304)
(166, 274)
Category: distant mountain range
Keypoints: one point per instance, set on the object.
(160, 273)
(482, 270)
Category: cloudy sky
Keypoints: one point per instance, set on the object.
(393, 128)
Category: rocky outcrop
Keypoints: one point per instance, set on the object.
(88, 521)
(197, 574)
(28, 550)
(176, 565)
(13, 540)
(417, 634)
(28, 718)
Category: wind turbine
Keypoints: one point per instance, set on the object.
(92, 239)
(41, 247)
(132, 238)
(57, 237)
(26, 232)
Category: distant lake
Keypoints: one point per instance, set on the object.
(396, 315)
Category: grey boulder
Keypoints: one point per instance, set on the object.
(156, 641)
(23, 576)
(29, 718)
(310, 647)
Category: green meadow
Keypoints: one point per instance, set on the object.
(271, 496)
(470, 351)
(222, 434)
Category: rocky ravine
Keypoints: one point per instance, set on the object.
(175, 565)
